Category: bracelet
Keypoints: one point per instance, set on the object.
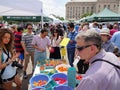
(7, 63)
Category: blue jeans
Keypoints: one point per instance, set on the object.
(71, 53)
(39, 57)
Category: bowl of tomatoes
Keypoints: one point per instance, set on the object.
(62, 68)
(60, 78)
(39, 80)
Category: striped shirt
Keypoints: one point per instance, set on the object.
(27, 39)
(17, 42)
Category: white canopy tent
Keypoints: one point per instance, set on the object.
(21, 8)
(15, 12)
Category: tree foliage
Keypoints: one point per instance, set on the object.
(61, 18)
(86, 14)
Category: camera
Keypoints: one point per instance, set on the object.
(15, 63)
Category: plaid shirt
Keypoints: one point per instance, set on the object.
(72, 36)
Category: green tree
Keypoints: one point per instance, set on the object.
(61, 18)
(86, 14)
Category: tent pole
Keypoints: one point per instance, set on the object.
(42, 20)
(42, 16)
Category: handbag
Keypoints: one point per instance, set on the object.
(52, 50)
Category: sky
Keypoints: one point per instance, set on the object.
(56, 7)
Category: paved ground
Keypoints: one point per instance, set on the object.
(25, 82)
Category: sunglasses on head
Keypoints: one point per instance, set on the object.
(80, 48)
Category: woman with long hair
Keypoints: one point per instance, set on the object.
(7, 57)
(55, 41)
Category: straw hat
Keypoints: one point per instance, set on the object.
(105, 31)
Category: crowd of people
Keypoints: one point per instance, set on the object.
(97, 45)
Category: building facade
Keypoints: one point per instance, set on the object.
(76, 8)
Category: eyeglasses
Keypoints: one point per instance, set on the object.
(83, 47)
(29, 28)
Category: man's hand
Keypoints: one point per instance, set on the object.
(26, 53)
(71, 41)
(42, 50)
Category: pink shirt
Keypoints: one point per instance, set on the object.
(112, 31)
(41, 42)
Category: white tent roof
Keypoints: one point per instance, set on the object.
(20, 8)
(55, 20)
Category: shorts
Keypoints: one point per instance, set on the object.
(21, 57)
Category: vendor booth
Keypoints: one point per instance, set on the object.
(104, 16)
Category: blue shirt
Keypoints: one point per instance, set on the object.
(101, 75)
(76, 28)
(116, 39)
(108, 46)
(72, 36)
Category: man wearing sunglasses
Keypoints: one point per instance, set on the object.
(100, 75)
(71, 45)
(28, 49)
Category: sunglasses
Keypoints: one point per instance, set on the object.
(80, 48)
(104, 35)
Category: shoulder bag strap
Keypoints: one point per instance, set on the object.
(106, 62)
(7, 53)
